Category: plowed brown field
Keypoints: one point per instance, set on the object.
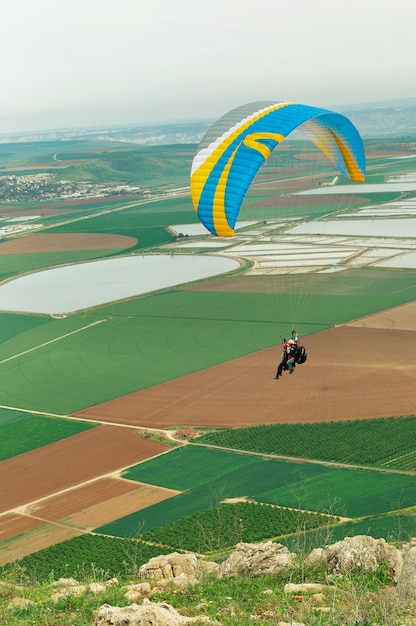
(70, 462)
(72, 513)
(362, 370)
(98, 503)
(35, 540)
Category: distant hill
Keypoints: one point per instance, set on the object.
(389, 118)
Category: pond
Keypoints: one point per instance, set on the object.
(85, 285)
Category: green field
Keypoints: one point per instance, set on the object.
(387, 442)
(150, 339)
(393, 527)
(147, 221)
(223, 527)
(26, 432)
(107, 557)
(217, 475)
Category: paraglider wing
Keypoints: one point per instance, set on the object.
(236, 146)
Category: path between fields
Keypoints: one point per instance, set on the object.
(46, 343)
(171, 435)
(128, 205)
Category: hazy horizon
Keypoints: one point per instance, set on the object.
(92, 63)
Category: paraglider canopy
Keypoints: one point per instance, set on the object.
(236, 146)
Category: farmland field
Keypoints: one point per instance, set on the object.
(173, 334)
(27, 432)
(304, 486)
(203, 356)
(73, 461)
(388, 442)
(224, 526)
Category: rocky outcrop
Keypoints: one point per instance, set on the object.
(257, 559)
(177, 569)
(406, 585)
(361, 552)
(147, 614)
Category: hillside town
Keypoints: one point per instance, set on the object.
(44, 186)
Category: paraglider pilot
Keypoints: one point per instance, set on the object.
(287, 359)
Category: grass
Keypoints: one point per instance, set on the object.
(169, 471)
(28, 432)
(356, 598)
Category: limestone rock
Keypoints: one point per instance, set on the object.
(257, 559)
(360, 552)
(180, 570)
(137, 591)
(406, 585)
(169, 566)
(97, 587)
(67, 587)
(147, 614)
(316, 558)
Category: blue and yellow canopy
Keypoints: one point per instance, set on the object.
(235, 147)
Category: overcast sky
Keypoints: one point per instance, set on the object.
(91, 62)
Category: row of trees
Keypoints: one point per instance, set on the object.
(88, 558)
(222, 527)
(380, 442)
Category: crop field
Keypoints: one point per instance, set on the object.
(112, 557)
(305, 486)
(388, 442)
(243, 392)
(123, 348)
(78, 393)
(76, 511)
(223, 527)
(23, 432)
(63, 465)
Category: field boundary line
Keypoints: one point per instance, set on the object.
(294, 459)
(46, 343)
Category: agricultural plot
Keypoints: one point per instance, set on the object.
(15, 524)
(33, 540)
(28, 432)
(18, 256)
(98, 502)
(107, 556)
(228, 524)
(68, 463)
(393, 527)
(347, 493)
(146, 221)
(153, 339)
(243, 392)
(74, 512)
(12, 325)
(303, 486)
(201, 355)
(388, 442)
